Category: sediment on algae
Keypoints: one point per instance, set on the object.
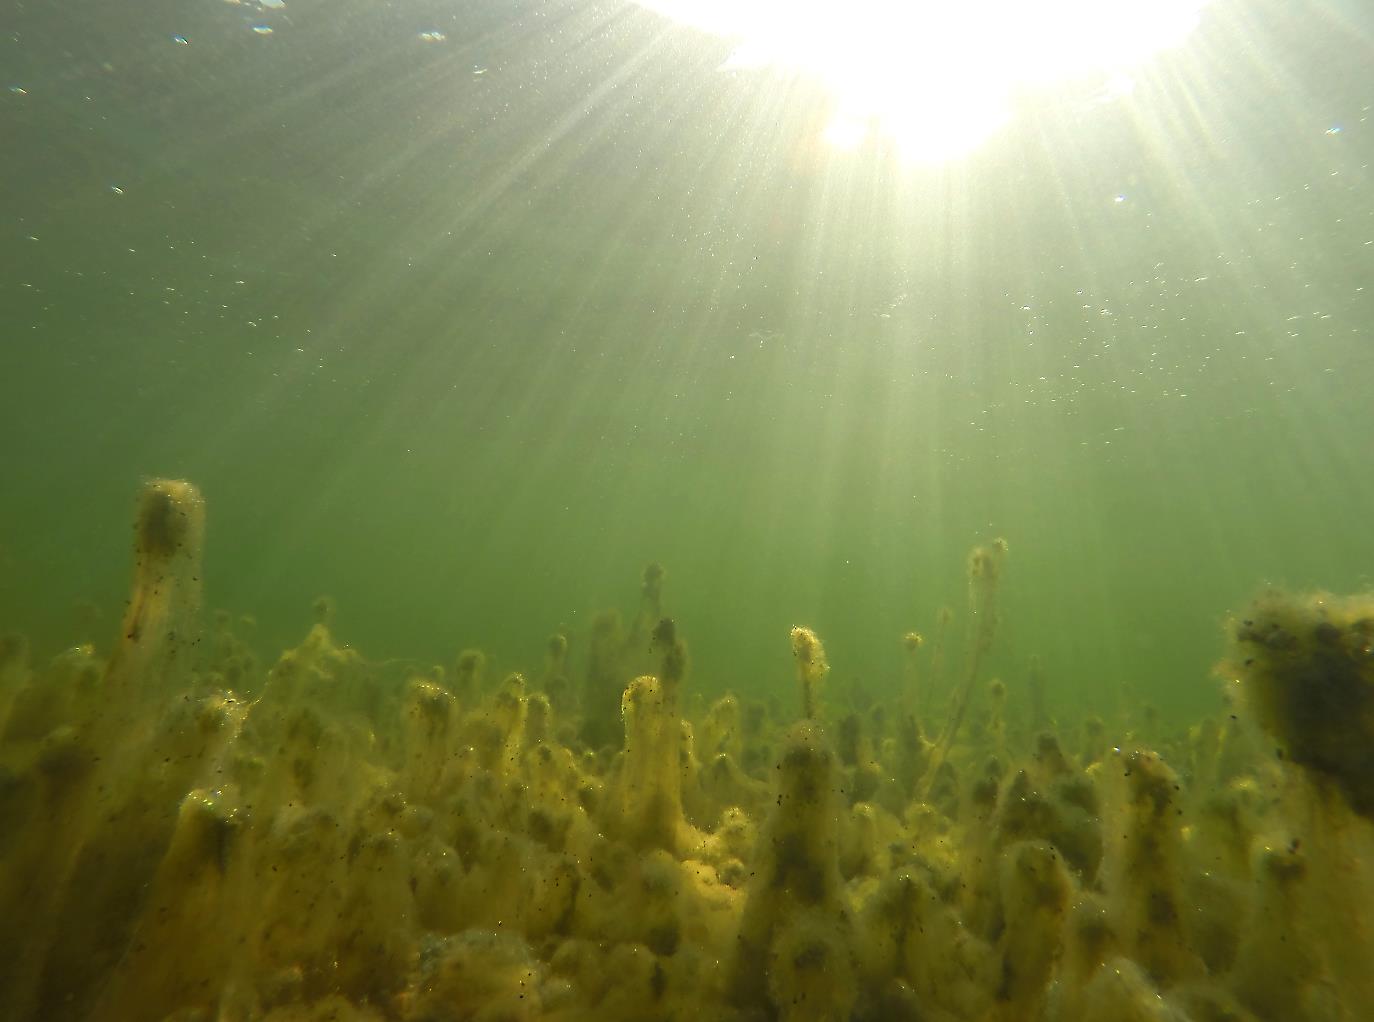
(1307, 670)
(187, 834)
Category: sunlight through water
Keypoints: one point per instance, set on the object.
(938, 79)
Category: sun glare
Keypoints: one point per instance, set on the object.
(939, 79)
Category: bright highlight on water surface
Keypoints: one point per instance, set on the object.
(939, 79)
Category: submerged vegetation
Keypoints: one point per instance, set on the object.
(187, 834)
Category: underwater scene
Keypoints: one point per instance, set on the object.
(633, 510)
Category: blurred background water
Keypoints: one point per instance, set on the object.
(462, 313)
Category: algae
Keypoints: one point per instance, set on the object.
(186, 833)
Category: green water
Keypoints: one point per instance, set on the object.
(465, 332)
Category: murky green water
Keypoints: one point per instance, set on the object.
(464, 331)
(461, 314)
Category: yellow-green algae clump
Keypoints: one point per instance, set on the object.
(185, 835)
(1308, 670)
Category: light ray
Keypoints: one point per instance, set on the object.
(939, 79)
